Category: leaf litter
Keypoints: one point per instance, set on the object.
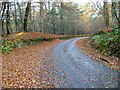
(85, 46)
(28, 67)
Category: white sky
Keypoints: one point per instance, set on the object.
(85, 1)
(80, 1)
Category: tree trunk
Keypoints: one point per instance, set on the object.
(48, 18)
(61, 17)
(21, 19)
(119, 15)
(16, 23)
(106, 14)
(2, 18)
(34, 29)
(113, 12)
(41, 16)
(115, 17)
(26, 16)
(7, 19)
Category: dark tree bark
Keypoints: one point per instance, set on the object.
(119, 15)
(2, 18)
(1, 8)
(26, 16)
(8, 19)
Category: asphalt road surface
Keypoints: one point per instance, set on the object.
(76, 70)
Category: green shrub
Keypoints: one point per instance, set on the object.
(108, 43)
(100, 33)
(7, 45)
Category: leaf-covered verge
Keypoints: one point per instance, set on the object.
(30, 67)
(104, 47)
(29, 38)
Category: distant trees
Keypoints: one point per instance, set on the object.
(114, 13)
(109, 11)
(46, 17)
(57, 17)
(115, 10)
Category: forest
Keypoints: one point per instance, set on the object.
(57, 17)
(62, 18)
(43, 35)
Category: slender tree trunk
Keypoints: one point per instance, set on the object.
(61, 17)
(106, 14)
(1, 8)
(16, 23)
(7, 19)
(30, 18)
(41, 16)
(119, 15)
(53, 23)
(115, 16)
(26, 16)
(113, 12)
(48, 18)
(2, 18)
(53, 18)
(30, 15)
(21, 19)
(34, 29)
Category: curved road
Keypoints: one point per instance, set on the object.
(76, 70)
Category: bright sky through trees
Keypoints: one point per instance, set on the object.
(76, 1)
(85, 1)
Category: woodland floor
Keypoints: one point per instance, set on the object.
(85, 46)
(29, 66)
(24, 67)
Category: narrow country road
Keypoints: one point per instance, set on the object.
(76, 70)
